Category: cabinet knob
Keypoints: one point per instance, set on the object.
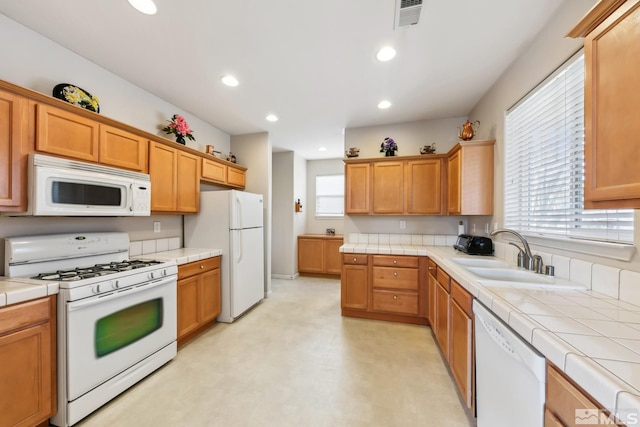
(431, 268)
(355, 260)
(395, 273)
(395, 297)
(201, 267)
(395, 261)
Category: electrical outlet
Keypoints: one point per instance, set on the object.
(403, 225)
(157, 227)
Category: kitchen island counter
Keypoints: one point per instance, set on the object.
(592, 337)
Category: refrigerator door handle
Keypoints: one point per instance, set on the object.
(239, 247)
(239, 213)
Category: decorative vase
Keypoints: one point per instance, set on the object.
(180, 139)
(389, 153)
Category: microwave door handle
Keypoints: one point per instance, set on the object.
(130, 198)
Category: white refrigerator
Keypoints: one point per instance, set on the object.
(232, 221)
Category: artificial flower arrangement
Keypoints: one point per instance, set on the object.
(76, 96)
(180, 128)
(389, 147)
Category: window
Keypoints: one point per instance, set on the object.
(544, 164)
(330, 195)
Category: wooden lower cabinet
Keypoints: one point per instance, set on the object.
(461, 341)
(319, 254)
(564, 398)
(384, 287)
(441, 328)
(28, 362)
(431, 292)
(198, 297)
(355, 282)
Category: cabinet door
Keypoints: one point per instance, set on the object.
(423, 186)
(66, 134)
(188, 183)
(310, 255)
(442, 319)
(187, 305)
(460, 350)
(612, 176)
(388, 185)
(27, 369)
(454, 182)
(236, 177)
(214, 171)
(123, 149)
(332, 256)
(431, 295)
(357, 192)
(355, 291)
(163, 171)
(13, 141)
(209, 295)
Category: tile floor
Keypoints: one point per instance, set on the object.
(294, 361)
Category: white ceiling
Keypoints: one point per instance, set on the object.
(312, 63)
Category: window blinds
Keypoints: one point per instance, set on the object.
(330, 195)
(544, 164)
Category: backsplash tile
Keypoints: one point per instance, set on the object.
(605, 280)
(148, 247)
(135, 248)
(561, 265)
(580, 271)
(143, 247)
(162, 245)
(630, 286)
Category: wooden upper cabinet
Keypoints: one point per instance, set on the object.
(66, 134)
(236, 177)
(13, 151)
(423, 186)
(163, 169)
(387, 185)
(612, 60)
(188, 184)
(123, 149)
(470, 178)
(214, 172)
(357, 191)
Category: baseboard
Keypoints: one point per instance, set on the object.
(285, 276)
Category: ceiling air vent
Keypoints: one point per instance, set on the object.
(407, 12)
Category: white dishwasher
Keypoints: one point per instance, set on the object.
(510, 375)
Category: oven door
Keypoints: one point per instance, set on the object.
(108, 334)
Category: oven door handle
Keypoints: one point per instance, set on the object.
(121, 293)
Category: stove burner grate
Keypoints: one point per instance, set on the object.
(95, 271)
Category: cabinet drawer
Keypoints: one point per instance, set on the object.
(395, 302)
(462, 297)
(563, 398)
(395, 278)
(443, 278)
(23, 314)
(197, 267)
(355, 259)
(395, 261)
(432, 267)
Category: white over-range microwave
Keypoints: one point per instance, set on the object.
(62, 187)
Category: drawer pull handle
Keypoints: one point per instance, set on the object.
(395, 297)
(431, 268)
(201, 267)
(395, 273)
(395, 261)
(355, 260)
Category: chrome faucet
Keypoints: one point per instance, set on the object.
(525, 258)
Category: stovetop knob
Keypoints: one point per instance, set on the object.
(96, 289)
(116, 284)
(151, 275)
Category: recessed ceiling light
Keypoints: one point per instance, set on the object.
(322, 149)
(272, 118)
(383, 105)
(229, 80)
(148, 7)
(386, 54)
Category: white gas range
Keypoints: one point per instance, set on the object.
(116, 317)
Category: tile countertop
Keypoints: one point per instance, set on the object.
(14, 290)
(183, 255)
(593, 338)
